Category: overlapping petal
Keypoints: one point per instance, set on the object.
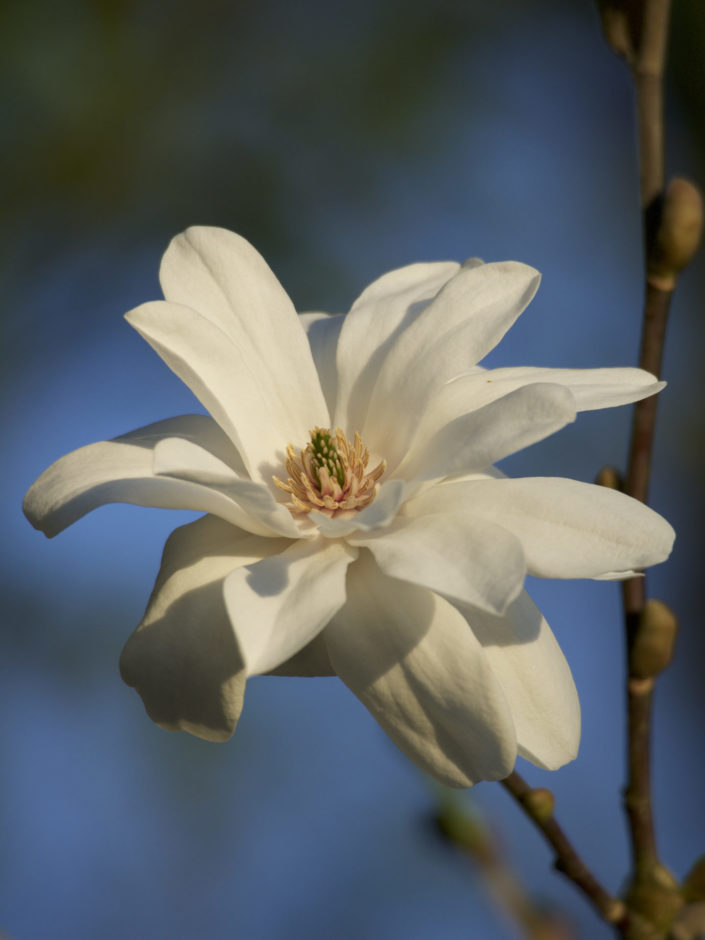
(249, 362)
(591, 389)
(369, 332)
(412, 660)
(536, 680)
(323, 331)
(260, 409)
(185, 460)
(567, 529)
(220, 275)
(474, 441)
(279, 605)
(461, 557)
(377, 515)
(465, 320)
(183, 658)
(121, 471)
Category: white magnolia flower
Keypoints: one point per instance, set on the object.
(355, 525)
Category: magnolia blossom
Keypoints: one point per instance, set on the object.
(354, 522)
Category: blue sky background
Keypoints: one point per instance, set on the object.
(343, 140)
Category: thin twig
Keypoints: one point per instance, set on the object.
(637, 794)
(647, 71)
(475, 839)
(567, 860)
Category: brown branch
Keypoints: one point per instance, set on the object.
(474, 838)
(637, 794)
(647, 71)
(538, 805)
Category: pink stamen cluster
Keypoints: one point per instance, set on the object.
(330, 474)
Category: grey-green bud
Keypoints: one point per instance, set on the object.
(678, 235)
(652, 649)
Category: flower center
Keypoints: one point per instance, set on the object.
(330, 474)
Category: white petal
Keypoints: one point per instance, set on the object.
(120, 471)
(461, 325)
(412, 660)
(536, 680)
(568, 529)
(461, 557)
(312, 660)
(377, 515)
(279, 605)
(476, 440)
(384, 308)
(323, 331)
(618, 575)
(259, 402)
(591, 389)
(220, 275)
(185, 460)
(183, 658)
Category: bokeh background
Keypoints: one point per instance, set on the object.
(342, 139)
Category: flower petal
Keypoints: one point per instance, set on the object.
(474, 441)
(120, 471)
(312, 660)
(412, 660)
(280, 604)
(377, 515)
(568, 529)
(458, 556)
(384, 308)
(323, 330)
(185, 460)
(459, 327)
(183, 658)
(535, 678)
(591, 389)
(220, 275)
(260, 401)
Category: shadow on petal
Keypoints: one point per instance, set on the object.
(187, 667)
(520, 624)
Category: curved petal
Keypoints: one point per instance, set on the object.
(536, 680)
(458, 556)
(220, 275)
(185, 460)
(567, 529)
(260, 403)
(183, 658)
(379, 314)
(377, 515)
(323, 331)
(279, 605)
(412, 660)
(476, 440)
(591, 389)
(459, 327)
(312, 660)
(120, 471)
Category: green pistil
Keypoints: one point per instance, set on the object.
(325, 454)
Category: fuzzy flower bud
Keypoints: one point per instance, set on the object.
(540, 803)
(611, 478)
(694, 884)
(655, 639)
(678, 235)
